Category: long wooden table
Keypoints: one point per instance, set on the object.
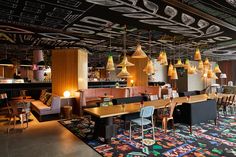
(103, 116)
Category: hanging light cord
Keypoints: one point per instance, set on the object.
(124, 41)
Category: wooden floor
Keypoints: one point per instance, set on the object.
(41, 139)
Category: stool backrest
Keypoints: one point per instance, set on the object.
(146, 111)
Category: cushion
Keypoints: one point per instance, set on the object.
(46, 97)
(49, 101)
(42, 95)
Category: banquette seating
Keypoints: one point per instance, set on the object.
(89, 97)
(46, 105)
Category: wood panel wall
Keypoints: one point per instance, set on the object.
(69, 70)
(228, 67)
(138, 75)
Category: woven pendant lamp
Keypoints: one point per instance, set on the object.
(164, 61)
(110, 63)
(200, 65)
(186, 64)
(209, 73)
(206, 62)
(149, 69)
(139, 53)
(179, 63)
(124, 73)
(170, 69)
(125, 61)
(174, 75)
(217, 69)
(197, 55)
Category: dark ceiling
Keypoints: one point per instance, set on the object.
(177, 26)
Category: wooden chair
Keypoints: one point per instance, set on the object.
(167, 115)
(14, 112)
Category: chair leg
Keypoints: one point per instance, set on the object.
(130, 134)
(27, 120)
(164, 124)
(153, 130)
(142, 134)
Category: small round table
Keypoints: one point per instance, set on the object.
(67, 112)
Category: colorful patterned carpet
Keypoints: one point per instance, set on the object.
(206, 140)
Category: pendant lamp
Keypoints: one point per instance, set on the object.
(164, 59)
(139, 53)
(149, 69)
(110, 63)
(124, 73)
(217, 69)
(6, 62)
(209, 73)
(174, 75)
(192, 70)
(125, 61)
(170, 69)
(200, 65)
(187, 64)
(206, 62)
(197, 55)
(160, 57)
(179, 63)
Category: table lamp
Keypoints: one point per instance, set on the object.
(222, 76)
(67, 95)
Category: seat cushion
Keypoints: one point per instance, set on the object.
(40, 106)
(139, 121)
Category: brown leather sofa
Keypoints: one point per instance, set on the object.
(136, 90)
(89, 97)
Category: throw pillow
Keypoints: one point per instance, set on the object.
(46, 97)
(42, 95)
(49, 102)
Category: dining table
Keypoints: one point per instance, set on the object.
(103, 116)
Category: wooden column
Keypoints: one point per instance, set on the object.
(138, 75)
(69, 70)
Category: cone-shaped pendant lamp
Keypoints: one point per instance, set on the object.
(163, 60)
(160, 57)
(197, 55)
(179, 63)
(174, 75)
(217, 69)
(209, 73)
(192, 70)
(149, 69)
(125, 62)
(110, 63)
(206, 62)
(200, 65)
(124, 73)
(170, 69)
(187, 64)
(139, 53)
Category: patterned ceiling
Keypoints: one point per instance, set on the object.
(177, 26)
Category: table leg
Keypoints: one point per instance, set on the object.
(190, 129)
(104, 128)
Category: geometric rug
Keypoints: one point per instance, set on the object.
(206, 139)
